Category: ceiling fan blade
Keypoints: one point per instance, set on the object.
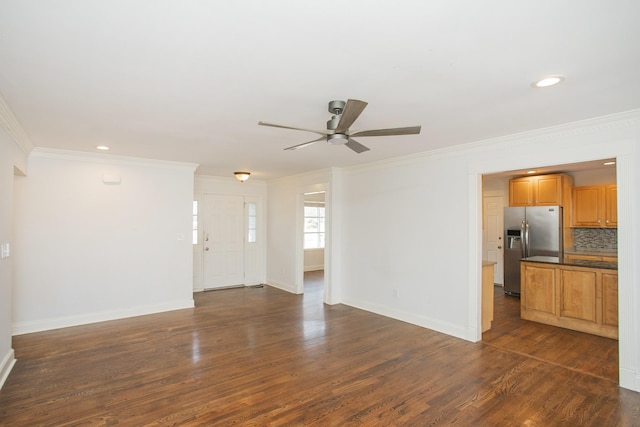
(351, 112)
(305, 144)
(319, 132)
(412, 130)
(356, 146)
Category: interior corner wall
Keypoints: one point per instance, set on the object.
(86, 251)
(10, 157)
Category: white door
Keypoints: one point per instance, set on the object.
(493, 245)
(223, 241)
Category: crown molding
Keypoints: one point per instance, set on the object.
(12, 126)
(53, 153)
(583, 127)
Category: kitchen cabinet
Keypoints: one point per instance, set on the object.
(545, 190)
(595, 206)
(540, 190)
(579, 298)
(487, 294)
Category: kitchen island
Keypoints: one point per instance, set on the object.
(575, 294)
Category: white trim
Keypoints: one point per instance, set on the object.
(9, 122)
(313, 267)
(83, 319)
(288, 287)
(6, 366)
(414, 319)
(582, 127)
(82, 156)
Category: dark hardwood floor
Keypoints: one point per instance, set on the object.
(261, 356)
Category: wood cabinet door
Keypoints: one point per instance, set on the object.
(578, 295)
(548, 190)
(538, 290)
(520, 192)
(611, 205)
(586, 206)
(610, 299)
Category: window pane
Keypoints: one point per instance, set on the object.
(252, 222)
(252, 209)
(310, 224)
(321, 242)
(321, 225)
(310, 241)
(310, 211)
(251, 238)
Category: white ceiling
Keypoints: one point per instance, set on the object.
(188, 80)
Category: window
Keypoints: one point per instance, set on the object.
(195, 223)
(251, 223)
(314, 226)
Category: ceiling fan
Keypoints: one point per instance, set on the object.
(338, 133)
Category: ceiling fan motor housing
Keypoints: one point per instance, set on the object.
(338, 139)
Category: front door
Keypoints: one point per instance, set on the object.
(223, 241)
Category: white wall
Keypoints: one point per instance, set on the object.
(313, 259)
(10, 156)
(409, 233)
(229, 186)
(88, 252)
(285, 259)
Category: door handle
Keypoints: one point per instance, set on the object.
(206, 249)
(499, 247)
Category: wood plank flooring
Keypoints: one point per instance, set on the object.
(261, 356)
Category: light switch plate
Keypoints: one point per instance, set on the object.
(5, 250)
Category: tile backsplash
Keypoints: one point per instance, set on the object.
(595, 238)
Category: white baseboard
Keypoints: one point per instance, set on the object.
(20, 328)
(414, 319)
(313, 267)
(284, 286)
(6, 365)
(629, 379)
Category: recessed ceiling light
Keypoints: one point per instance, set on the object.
(609, 163)
(102, 147)
(548, 81)
(530, 172)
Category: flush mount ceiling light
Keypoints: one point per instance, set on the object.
(531, 172)
(548, 81)
(242, 176)
(102, 147)
(609, 163)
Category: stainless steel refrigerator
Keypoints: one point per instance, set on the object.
(529, 231)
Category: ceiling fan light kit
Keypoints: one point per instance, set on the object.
(338, 133)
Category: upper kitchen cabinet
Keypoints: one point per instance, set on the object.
(595, 206)
(540, 190)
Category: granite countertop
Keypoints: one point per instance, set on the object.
(592, 251)
(573, 262)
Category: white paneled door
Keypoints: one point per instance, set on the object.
(493, 242)
(224, 232)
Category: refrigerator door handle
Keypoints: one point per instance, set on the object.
(523, 239)
(526, 239)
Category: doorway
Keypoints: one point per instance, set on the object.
(231, 255)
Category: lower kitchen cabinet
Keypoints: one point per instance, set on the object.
(579, 298)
